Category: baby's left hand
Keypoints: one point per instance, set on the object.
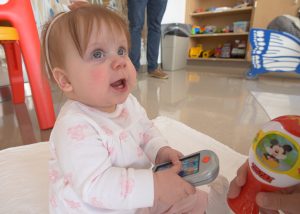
(166, 154)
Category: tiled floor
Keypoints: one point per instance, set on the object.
(217, 104)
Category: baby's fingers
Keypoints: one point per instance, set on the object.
(189, 189)
(183, 191)
(176, 167)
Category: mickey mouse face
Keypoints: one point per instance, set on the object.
(278, 151)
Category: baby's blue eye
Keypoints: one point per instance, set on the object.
(122, 52)
(98, 54)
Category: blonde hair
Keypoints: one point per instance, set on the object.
(76, 25)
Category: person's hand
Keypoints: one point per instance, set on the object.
(77, 4)
(238, 182)
(166, 154)
(169, 187)
(287, 200)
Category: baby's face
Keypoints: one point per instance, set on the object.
(105, 76)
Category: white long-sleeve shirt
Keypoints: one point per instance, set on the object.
(100, 162)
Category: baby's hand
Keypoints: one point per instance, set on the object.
(169, 187)
(166, 154)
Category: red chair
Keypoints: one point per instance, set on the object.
(9, 40)
(19, 14)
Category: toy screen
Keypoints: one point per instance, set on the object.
(277, 152)
(190, 165)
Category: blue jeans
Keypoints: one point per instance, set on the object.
(136, 16)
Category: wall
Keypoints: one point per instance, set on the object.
(175, 12)
(275, 8)
(45, 9)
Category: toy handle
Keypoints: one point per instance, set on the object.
(245, 202)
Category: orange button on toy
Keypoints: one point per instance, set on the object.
(206, 159)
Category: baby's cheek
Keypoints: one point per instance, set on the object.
(97, 75)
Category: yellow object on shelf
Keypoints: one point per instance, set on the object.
(195, 52)
(207, 53)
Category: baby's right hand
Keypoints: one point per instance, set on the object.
(169, 187)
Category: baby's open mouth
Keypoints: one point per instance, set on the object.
(120, 84)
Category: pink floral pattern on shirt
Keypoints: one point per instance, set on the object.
(145, 138)
(72, 204)
(127, 185)
(68, 180)
(52, 201)
(53, 175)
(139, 152)
(110, 151)
(124, 114)
(123, 136)
(97, 203)
(107, 130)
(77, 132)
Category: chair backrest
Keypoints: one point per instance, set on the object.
(19, 14)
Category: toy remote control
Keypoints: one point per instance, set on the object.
(198, 168)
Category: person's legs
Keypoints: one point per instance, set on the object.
(158, 208)
(155, 12)
(136, 17)
(192, 204)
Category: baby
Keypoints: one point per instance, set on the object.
(103, 144)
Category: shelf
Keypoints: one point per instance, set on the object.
(219, 19)
(231, 11)
(219, 34)
(218, 59)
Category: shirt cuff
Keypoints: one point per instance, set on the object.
(143, 192)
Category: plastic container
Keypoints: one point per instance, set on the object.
(240, 27)
(175, 39)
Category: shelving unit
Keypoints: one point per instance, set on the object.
(219, 19)
(219, 34)
(220, 59)
(215, 13)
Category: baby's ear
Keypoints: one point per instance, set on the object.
(62, 80)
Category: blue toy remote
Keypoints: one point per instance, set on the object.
(198, 168)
